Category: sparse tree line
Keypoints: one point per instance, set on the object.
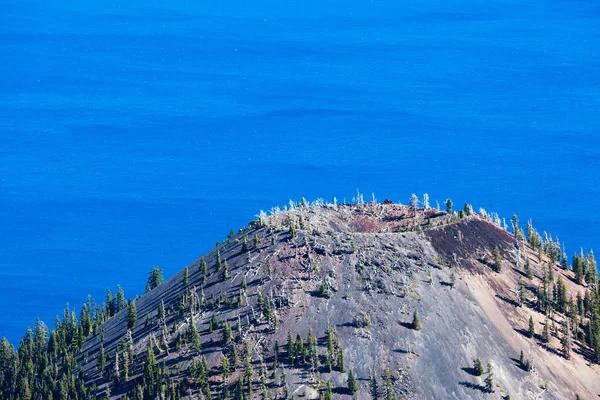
(569, 319)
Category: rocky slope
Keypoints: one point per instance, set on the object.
(354, 275)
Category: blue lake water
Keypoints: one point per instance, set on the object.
(135, 135)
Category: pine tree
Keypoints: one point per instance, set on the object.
(225, 271)
(416, 322)
(193, 336)
(225, 370)
(387, 384)
(531, 327)
(101, 361)
(546, 331)
(566, 340)
(468, 209)
(155, 278)
(328, 392)
(234, 358)
(478, 367)
(132, 316)
(373, 387)
(186, 276)
(449, 206)
(204, 268)
(340, 361)
(352, 385)
(516, 229)
(489, 383)
(299, 348)
(522, 360)
(227, 335)
(120, 301)
(497, 260)
(528, 270)
(161, 310)
(522, 298)
(291, 348)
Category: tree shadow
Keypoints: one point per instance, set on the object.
(525, 333)
(523, 274)
(585, 352)
(470, 370)
(474, 386)
(549, 349)
(447, 284)
(340, 391)
(407, 325)
(509, 301)
(518, 364)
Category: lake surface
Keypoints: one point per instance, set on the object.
(133, 136)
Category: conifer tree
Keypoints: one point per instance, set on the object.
(204, 268)
(546, 331)
(227, 335)
(489, 382)
(522, 298)
(468, 209)
(566, 340)
(155, 278)
(120, 301)
(340, 361)
(132, 316)
(161, 310)
(528, 270)
(416, 322)
(373, 387)
(516, 230)
(193, 336)
(478, 367)
(497, 260)
(299, 348)
(352, 385)
(186, 276)
(449, 206)
(387, 384)
(225, 271)
(101, 361)
(328, 392)
(225, 369)
(522, 360)
(531, 327)
(291, 348)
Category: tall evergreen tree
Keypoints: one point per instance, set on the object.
(373, 386)
(449, 206)
(155, 278)
(352, 385)
(531, 331)
(120, 301)
(497, 260)
(132, 316)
